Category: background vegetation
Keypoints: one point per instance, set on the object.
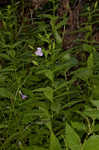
(49, 100)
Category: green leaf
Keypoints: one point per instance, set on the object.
(66, 65)
(61, 23)
(3, 126)
(34, 148)
(11, 53)
(56, 107)
(58, 37)
(96, 128)
(83, 73)
(8, 69)
(38, 148)
(78, 125)
(87, 48)
(5, 56)
(35, 62)
(45, 116)
(90, 61)
(92, 143)
(95, 103)
(71, 103)
(54, 143)
(49, 74)
(72, 139)
(4, 92)
(94, 114)
(96, 90)
(48, 92)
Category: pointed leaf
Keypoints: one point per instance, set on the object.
(92, 143)
(49, 74)
(72, 140)
(58, 37)
(54, 143)
(48, 92)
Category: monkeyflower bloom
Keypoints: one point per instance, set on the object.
(39, 52)
(22, 95)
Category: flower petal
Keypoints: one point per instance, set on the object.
(39, 52)
(22, 95)
(39, 48)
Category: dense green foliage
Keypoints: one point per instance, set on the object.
(61, 107)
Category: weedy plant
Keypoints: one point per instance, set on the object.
(49, 99)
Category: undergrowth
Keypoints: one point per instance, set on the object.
(48, 102)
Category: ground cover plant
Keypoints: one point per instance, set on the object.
(49, 75)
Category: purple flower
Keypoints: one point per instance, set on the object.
(22, 95)
(39, 52)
